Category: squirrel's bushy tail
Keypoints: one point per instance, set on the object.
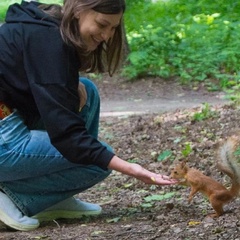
(229, 161)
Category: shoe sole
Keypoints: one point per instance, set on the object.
(53, 215)
(14, 224)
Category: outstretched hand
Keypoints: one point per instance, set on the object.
(139, 172)
(149, 177)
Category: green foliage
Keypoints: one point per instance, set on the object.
(113, 220)
(149, 200)
(234, 93)
(3, 8)
(4, 4)
(159, 197)
(134, 160)
(164, 155)
(187, 150)
(204, 114)
(194, 41)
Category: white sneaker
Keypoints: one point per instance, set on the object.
(13, 218)
(69, 208)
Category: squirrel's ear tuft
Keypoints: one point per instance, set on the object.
(183, 163)
(184, 166)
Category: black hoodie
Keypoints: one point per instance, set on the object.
(39, 77)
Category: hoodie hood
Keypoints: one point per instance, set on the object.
(28, 12)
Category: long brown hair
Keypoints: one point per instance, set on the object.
(107, 56)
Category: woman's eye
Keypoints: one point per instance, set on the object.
(101, 25)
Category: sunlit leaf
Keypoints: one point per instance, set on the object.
(113, 220)
(159, 197)
(146, 205)
(127, 185)
(95, 233)
(193, 223)
(164, 155)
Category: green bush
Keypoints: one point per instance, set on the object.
(4, 4)
(192, 40)
(3, 8)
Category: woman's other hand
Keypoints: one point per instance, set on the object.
(82, 93)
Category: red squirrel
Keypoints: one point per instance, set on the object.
(228, 162)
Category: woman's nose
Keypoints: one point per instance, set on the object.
(106, 35)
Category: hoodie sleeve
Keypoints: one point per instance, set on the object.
(52, 70)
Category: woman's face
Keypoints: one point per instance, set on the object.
(95, 27)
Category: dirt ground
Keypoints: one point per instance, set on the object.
(155, 139)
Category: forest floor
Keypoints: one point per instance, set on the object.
(153, 123)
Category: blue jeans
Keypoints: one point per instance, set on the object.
(33, 173)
